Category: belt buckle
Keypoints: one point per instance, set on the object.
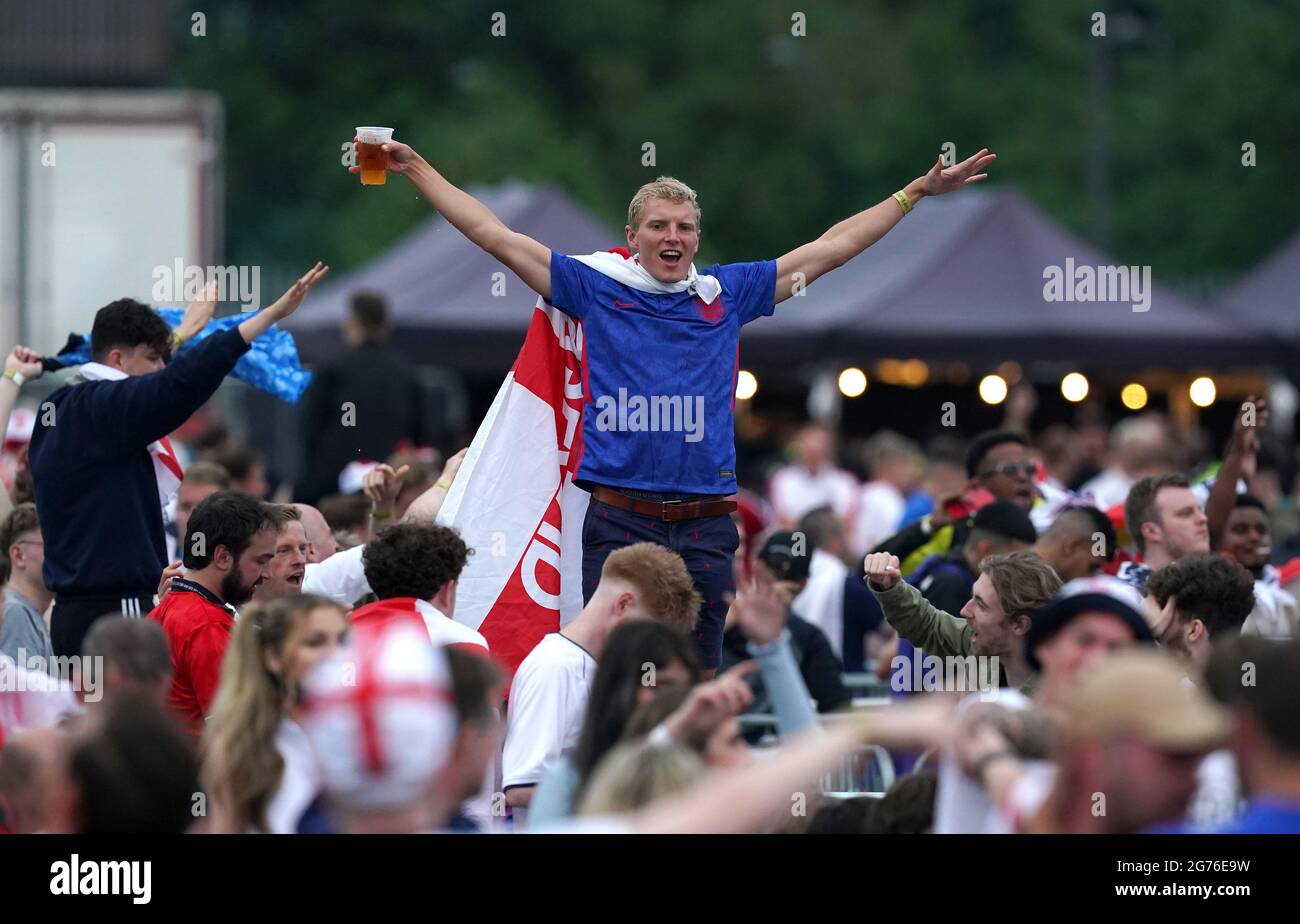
(663, 514)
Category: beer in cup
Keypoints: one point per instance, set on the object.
(371, 157)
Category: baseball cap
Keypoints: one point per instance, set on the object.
(1097, 594)
(786, 558)
(1143, 692)
(1007, 519)
(379, 715)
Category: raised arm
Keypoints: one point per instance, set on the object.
(424, 509)
(914, 617)
(133, 412)
(1238, 461)
(22, 365)
(851, 236)
(529, 260)
(283, 306)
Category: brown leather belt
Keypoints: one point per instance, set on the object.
(668, 511)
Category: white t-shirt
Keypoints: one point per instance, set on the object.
(1274, 615)
(795, 491)
(443, 630)
(880, 511)
(341, 577)
(821, 602)
(548, 701)
(1109, 488)
(961, 805)
(300, 782)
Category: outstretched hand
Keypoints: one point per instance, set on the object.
(943, 179)
(288, 303)
(401, 157)
(759, 607)
(199, 312)
(710, 704)
(284, 306)
(1252, 416)
(382, 484)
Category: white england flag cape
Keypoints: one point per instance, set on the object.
(514, 501)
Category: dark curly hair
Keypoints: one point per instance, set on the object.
(413, 560)
(1208, 587)
(126, 324)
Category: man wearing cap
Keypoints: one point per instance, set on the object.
(784, 561)
(381, 721)
(1133, 734)
(1089, 618)
(1010, 588)
(946, 580)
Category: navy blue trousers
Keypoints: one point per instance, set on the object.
(707, 545)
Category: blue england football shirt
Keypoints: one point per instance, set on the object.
(661, 375)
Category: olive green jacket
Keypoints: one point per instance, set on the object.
(927, 628)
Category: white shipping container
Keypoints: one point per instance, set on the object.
(98, 189)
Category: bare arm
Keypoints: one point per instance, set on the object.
(381, 485)
(520, 796)
(26, 364)
(424, 509)
(1238, 459)
(283, 306)
(851, 236)
(739, 801)
(529, 260)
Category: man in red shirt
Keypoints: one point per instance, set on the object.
(227, 552)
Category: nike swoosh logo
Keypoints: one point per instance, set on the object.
(618, 304)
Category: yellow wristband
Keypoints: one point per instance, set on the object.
(445, 485)
(177, 341)
(901, 198)
(385, 515)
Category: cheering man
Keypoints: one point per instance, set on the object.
(652, 322)
(101, 463)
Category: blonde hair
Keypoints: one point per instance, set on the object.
(243, 766)
(666, 187)
(661, 581)
(635, 773)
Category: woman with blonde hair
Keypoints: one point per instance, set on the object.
(259, 772)
(636, 773)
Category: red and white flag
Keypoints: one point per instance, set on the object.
(514, 501)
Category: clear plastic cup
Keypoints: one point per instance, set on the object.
(371, 157)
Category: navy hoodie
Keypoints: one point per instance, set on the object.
(96, 491)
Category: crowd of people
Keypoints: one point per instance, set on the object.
(1026, 632)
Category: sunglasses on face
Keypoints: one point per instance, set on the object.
(1012, 469)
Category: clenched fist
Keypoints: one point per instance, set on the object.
(882, 570)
